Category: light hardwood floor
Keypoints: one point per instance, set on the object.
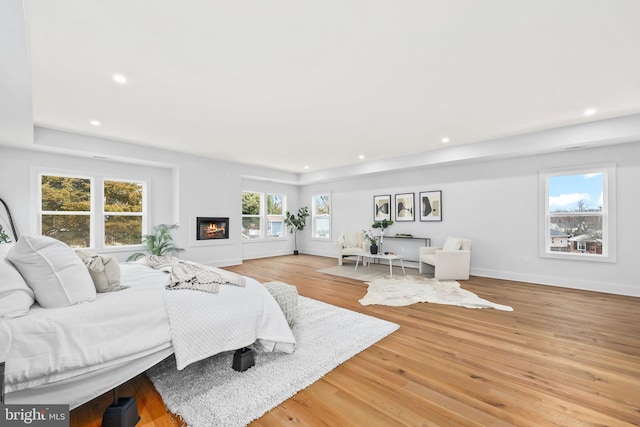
(561, 358)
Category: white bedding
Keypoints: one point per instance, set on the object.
(232, 318)
(51, 345)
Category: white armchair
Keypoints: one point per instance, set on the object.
(450, 262)
(351, 243)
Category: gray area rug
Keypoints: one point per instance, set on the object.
(211, 393)
(407, 290)
(374, 271)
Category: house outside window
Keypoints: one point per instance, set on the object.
(578, 218)
(263, 215)
(321, 217)
(68, 210)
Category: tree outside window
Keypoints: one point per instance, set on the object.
(66, 209)
(68, 212)
(123, 211)
(251, 220)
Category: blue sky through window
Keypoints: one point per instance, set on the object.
(566, 191)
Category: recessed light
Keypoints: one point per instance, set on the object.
(590, 111)
(119, 78)
(361, 156)
(445, 140)
(95, 122)
(306, 167)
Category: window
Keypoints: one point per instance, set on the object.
(65, 209)
(123, 212)
(251, 221)
(578, 217)
(255, 213)
(321, 217)
(68, 211)
(275, 215)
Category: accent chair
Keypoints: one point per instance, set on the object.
(351, 243)
(450, 262)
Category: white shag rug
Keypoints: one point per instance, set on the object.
(211, 393)
(407, 290)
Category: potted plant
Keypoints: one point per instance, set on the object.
(296, 223)
(158, 243)
(373, 241)
(382, 225)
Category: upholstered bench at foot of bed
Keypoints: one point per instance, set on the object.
(287, 298)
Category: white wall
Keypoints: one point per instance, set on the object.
(495, 203)
(182, 187)
(16, 184)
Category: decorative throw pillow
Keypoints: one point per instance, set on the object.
(15, 296)
(287, 298)
(53, 270)
(104, 270)
(452, 244)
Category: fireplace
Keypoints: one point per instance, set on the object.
(210, 228)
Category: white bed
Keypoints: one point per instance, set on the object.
(73, 354)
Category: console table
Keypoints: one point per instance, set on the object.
(427, 242)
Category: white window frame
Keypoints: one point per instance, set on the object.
(608, 212)
(143, 214)
(260, 215)
(96, 211)
(264, 217)
(269, 218)
(315, 217)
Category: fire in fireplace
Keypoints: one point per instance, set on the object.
(208, 228)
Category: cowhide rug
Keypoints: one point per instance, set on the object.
(407, 290)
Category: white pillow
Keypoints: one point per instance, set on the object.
(53, 270)
(15, 296)
(452, 244)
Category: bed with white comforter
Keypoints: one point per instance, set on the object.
(73, 354)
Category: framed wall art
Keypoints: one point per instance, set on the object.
(431, 206)
(382, 207)
(404, 207)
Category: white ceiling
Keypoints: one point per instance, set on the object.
(288, 84)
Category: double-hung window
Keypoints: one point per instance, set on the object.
(321, 216)
(578, 218)
(275, 215)
(91, 211)
(123, 210)
(67, 209)
(262, 215)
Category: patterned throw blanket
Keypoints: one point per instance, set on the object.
(191, 275)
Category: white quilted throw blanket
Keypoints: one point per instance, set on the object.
(204, 324)
(192, 275)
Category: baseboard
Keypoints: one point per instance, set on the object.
(276, 253)
(570, 283)
(223, 262)
(562, 282)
